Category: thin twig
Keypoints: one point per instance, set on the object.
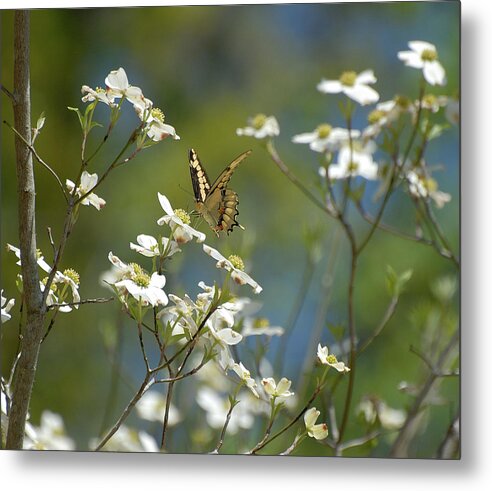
(399, 445)
(8, 93)
(386, 318)
(39, 159)
(82, 302)
(140, 392)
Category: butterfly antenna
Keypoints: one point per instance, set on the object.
(185, 190)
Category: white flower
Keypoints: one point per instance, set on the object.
(372, 408)
(149, 247)
(118, 86)
(352, 85)
(453, 111)
(178, 220)
(277, 390)
(87, 182)
(39, 258)
(423, 56)
(5, 307)
(155, 127)
(317, 431)
(331, 360)
(325, 138)
(68, 279)
(152, 407)
(99, 94)
(353, 162)
(386, 113)
(50, 435)
(260, 326)
(260, 127)
(422, 186)
(181, 315)
(217, 407)
(145, 289)
(235, 266)
(128, 440)
(244, 374)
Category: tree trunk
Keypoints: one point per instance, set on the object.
(26, 367)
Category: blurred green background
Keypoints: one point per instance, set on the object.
(209, 68)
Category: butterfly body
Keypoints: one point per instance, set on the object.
(215, 202)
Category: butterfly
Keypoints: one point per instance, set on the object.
(215, 203)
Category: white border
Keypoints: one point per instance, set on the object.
(76, 471)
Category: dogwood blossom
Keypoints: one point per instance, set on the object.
(148, 246)
(217, 407)
(61, 281)
(146, 289)
(260, 326)
(423, 186)
(118, 86)
(178, 220)
(325, 138)
(5, 307)
(352, 162)
(244, 374)
(423, 56)
(235, 266)
(277, 390)
(331, 360)
(152, 405)
(353, 85)
(39, 258)
(453, 111)
(373, 409)
(128, 440)
(386, 113)
(155, 127)
(50, 435)
(260, 127)
(99, 94)
(87, 182)
(317, 431)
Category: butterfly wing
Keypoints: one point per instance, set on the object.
(225, 176)
(199, 178)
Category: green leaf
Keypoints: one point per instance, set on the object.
(396, 283)
(79, 114)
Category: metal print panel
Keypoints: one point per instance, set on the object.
(232, 230)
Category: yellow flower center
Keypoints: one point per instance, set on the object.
(375, 116)
(73, 275)
(39, 254)
(429, 55)
(53, 286)
(353, 166)
(139, 276)
(259, 121)
(429, 100)
(331, 359)
(236, 261)
(100, 90)
(431, 185)
(261, 322)
(402, 101)
(183, 216)
(156, 113)
(348, 78)
(323, 130)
